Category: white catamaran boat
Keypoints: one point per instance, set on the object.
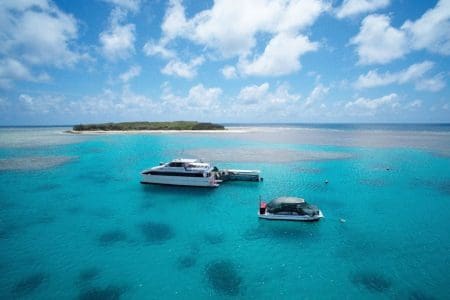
(290, 209)
(186, 172)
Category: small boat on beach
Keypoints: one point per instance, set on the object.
(290, 209)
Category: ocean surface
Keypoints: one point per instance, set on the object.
(75, 223)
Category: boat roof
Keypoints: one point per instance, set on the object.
(186, 160)
(244, 171)
(287, 200)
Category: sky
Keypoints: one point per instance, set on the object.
(224, 61)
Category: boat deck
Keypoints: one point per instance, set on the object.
(239, 175)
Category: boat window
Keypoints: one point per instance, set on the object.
(176, 164)
(182, 174)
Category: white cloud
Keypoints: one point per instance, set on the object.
(175, 22)
(25, 99)
(414, 73)
(131, 5)
(355, 7)
(364, 106)
(124, 105)
(131, 73)
(173, 25)
(282, 97)
(259, 102)
(229, 72)
(378, 42)
(413, 105)
(200, 102)
(298, 15)
(104, 107)
(252, 22)
(253, 94)
(117, 42)
(12, 70)
(152, 48)
(434, 84)
(317, 94)
(42, 105)
(186, 70)
(432, 30)
(201, 97)
(280, 57)
(38, 33)
(249, 18)
(238, 36)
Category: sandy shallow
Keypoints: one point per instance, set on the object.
(260, 155)
(34, 163)
(436, 141)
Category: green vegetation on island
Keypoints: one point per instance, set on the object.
(176, 125)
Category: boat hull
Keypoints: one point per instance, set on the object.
(286, 217)
(179, 180)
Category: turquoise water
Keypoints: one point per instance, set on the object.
(76, 224)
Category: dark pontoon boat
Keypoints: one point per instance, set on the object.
(289, 208)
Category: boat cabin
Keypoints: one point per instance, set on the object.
(291, 205)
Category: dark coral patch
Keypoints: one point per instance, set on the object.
(186, 262)
(103, 213)
(46, 187)
(6, 204)
(147, 204)
(372, 281)
(252, 234)
(33, 163)
(285, 231)
(307, 170)
(419, 295)
(29, 284)
(111, 237)
(373, 182)
(111, 292)
(290, 233)
(42, 220)
(214, 238)
(444, 187)
(441, 186)
(156, 232)
(315, 185)
(75, 210)
(96, 177)
(223, 277)
(88, 274)
(8, 229)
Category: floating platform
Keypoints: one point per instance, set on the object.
(239, 175)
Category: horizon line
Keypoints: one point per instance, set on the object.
(248, 123)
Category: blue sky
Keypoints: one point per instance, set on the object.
(69, 62)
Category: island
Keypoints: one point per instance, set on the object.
(148, 126)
